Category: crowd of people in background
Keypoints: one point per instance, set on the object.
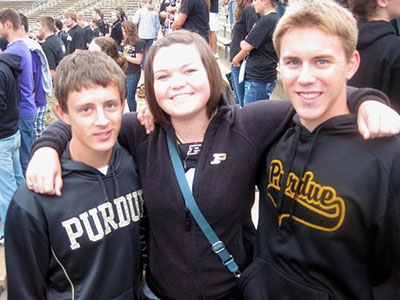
(225, 150)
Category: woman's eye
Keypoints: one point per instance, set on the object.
(190, 71)
(162, 77)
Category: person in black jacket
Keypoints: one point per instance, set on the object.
(379, 47)
(10, 139)
(84, 244)
(220, 148)
(86, 28)
(116, 27)
(329, 215)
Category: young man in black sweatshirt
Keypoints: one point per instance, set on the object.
(84, 244)
(329, 200)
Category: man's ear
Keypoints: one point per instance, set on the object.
(8, 25)
(381, 3)
(353, 64)
(63, 115)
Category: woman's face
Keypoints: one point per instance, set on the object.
(181, 85)
(114, 16)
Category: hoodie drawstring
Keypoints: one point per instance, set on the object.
(103, 186)
(290, 158)
(315, 135)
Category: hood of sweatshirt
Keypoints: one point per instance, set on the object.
(371, 31)
(70, 166)
(13, 61)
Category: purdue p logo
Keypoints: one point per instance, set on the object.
(218, 157)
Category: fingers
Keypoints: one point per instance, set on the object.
(47, 186)
(390, 125)
(363, 129)
(145, 118)
(149, 122)
(377, 120)
(41, 177)
(58, 185)
(140, 115)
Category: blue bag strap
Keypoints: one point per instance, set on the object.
(216, 244)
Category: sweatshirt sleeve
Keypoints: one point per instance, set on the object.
(56, 136)
(394, 87)
(132, 133)
(386, 255)
(27, 255)
(356, 96)
(3, 99)
(59, 134)
(263, 121)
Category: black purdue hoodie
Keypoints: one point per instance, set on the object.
(379, 48)
(329, 217)
(84, 244)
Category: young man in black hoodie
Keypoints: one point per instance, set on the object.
(84, 244)
(329, 200)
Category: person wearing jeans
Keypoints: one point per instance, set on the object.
(260, 76)
(148, 22)
(246, 18)
(238, 88)
(132, 81)
(254, 91)
(11, 22)
(10, 172)
(133, 52)
(10, 139)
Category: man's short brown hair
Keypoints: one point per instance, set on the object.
(325, 15)
(11, 15)
(210, 64)
(363, 9)
(70, 13)
(84, 70)
(48, 22)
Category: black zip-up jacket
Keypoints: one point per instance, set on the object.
(116, 32)
(379, 48)
(181, 263)
(329, 217)
(9, 94)
(84, 244)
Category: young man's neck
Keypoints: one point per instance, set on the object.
(95, 159)
(381, 15)
(339, 108)
(13, 36)
(48, 34)
(312, 124)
